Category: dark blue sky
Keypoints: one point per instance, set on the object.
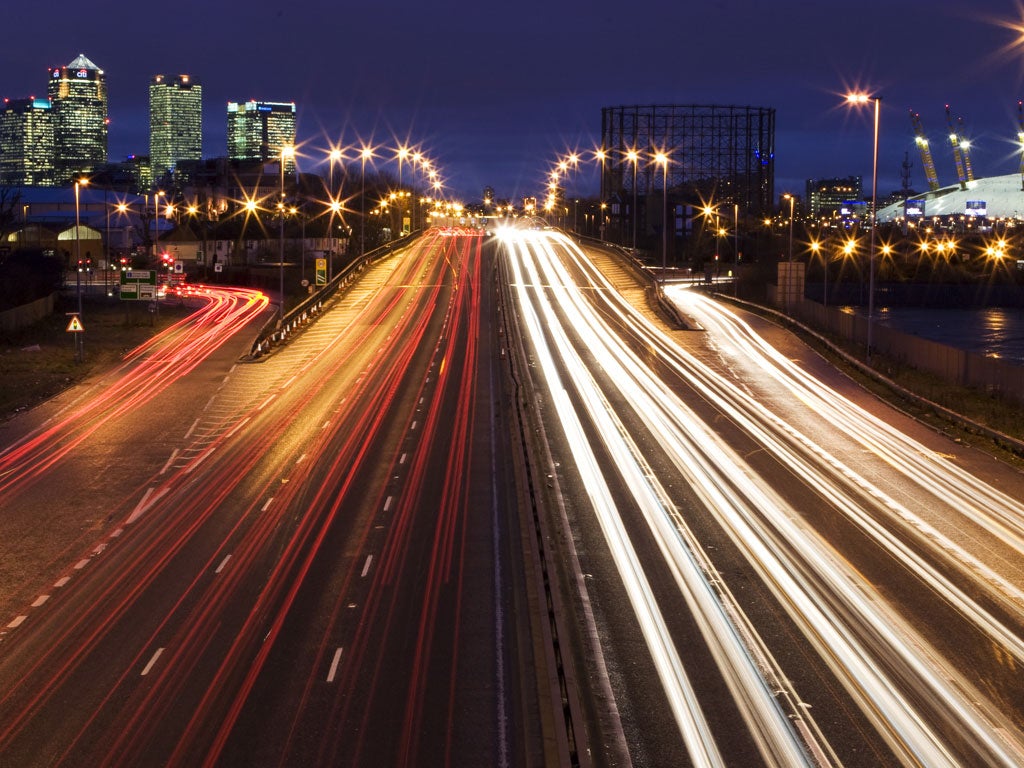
(497, 92)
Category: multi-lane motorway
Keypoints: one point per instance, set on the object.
(813, 584)
(491, 510)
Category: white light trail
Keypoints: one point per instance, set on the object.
(802, 570)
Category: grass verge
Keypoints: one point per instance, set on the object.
(37, 362)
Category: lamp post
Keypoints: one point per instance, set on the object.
(401, 153)
(817, 250)
(736, 247)
(364, 155)
(790, 198)
(78, 247)
(601, 155)
(156, 224)
(335, 156)
(662, 159)
(78, 258)
(863, 98)
(286, 152)
(633, 157)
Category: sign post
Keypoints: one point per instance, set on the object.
(321, 271)
(75, 326)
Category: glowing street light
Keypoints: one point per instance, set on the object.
(156, 223)
(634, 157)
(78, 257)
(860, 99)
(365, 154)
(78, 244)
(335, 156)
(662, 159)
(601, 156)
(790, 197)
(286, 152)
(401, 153)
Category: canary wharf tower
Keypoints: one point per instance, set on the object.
(175, 122)
(78, 93)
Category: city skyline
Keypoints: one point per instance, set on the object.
(494, 115)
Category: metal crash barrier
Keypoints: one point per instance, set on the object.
(277, 329)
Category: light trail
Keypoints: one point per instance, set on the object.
(809, 581)
(143, 375)
(535, 308)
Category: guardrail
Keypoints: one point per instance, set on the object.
(1011, 444)
(278, 329)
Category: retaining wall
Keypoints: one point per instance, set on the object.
(26, 314)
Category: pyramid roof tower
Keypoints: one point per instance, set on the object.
(82, 62)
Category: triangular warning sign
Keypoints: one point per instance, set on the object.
(75, 324)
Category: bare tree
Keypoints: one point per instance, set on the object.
(10, 211)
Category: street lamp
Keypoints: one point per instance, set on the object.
(863, 98)
(335, 156)
(78, 258)
(364, 155)
(791, 199)
(817, 250)
(662, 159)
(156, 224)
(286, 151)
(736, 246)
(78, 244)
(601, 155)
(633, 157)
(401, 153)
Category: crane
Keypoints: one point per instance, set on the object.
(1020, 138)
(957, 155)
(965, 147)
(926, 154)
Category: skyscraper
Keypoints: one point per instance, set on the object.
(258, 130)
(26, 142)
(175, 122)
(78, 93)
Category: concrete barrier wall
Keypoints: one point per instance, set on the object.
(26, 314)
(958, 366)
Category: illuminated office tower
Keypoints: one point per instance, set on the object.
(78, 93)
(26, 143)
(175, 122)
(258, 130)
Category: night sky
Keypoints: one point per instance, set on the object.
(497, 92)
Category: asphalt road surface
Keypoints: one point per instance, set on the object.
(491, 509)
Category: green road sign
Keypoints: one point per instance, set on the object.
(138, 284)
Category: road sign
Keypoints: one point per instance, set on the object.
(75, 326)
(138, 276)
(138, 284)
(321, 271)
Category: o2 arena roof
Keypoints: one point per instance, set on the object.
(996, 197)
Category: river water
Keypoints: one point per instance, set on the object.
(995, 332)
